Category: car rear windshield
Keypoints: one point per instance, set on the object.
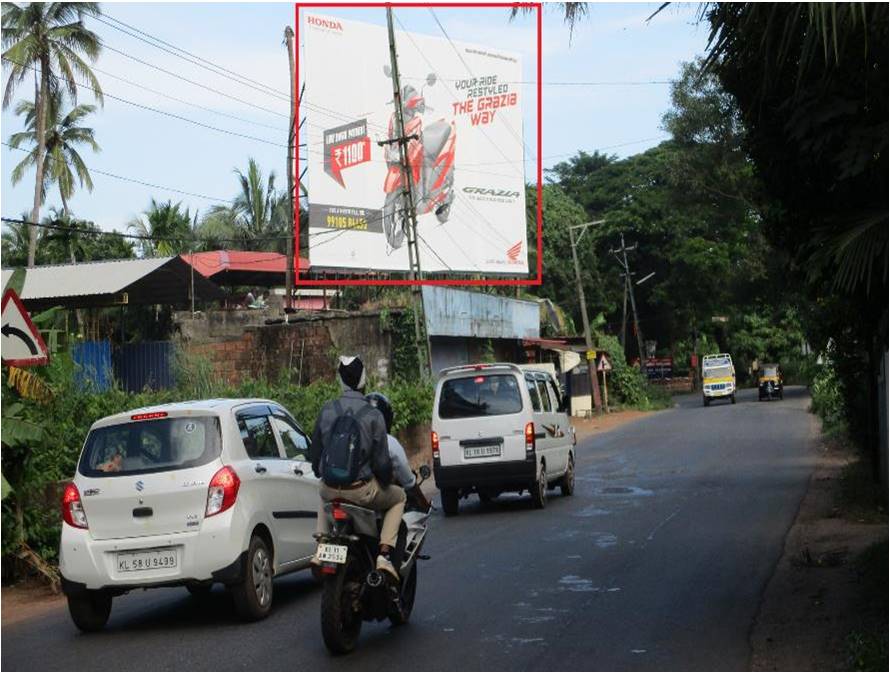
(480, 396)
(151, 446)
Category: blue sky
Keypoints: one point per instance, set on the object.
(613, 44)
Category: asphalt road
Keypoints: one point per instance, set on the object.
(657, 562)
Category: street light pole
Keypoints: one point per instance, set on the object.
(595, 400)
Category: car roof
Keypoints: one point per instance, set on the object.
(214, 406)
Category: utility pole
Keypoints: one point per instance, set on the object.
(624, 316)
(595, 400)
(633, 303)
(291, 158)
(409, 212)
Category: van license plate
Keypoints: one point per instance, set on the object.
(146, 560)
(331, 553)
(478, 452)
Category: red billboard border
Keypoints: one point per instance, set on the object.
(298, 280)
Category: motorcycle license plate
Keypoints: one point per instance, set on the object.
(331, 553)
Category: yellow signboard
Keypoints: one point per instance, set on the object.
(591, 355)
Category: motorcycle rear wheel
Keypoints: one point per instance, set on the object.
(340, 624)
(409, 591)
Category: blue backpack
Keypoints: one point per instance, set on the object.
(344, 455)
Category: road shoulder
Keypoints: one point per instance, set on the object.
(825, 595)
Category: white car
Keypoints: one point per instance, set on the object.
(500, 427)
(193, 493)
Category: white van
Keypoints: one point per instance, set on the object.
(500, 427)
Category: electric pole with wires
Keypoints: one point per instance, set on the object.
(409, 211)
(621, 255)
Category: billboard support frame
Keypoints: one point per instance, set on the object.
(538, 278)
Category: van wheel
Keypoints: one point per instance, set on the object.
(567, 483)
(253, 594)
(450, 500)
(90, 610)
(539, 490)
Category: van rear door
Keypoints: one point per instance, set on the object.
(480, 418)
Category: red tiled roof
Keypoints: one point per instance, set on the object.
(216, 261)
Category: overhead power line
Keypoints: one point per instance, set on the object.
(158, 111)
(214, 69)
(281, 94)
(194, 83)
(135, 180)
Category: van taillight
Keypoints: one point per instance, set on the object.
(530, 438)
(222, 492)
(72, 509)
(434, 442)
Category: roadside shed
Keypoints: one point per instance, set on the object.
(242, 267)
(159, 280)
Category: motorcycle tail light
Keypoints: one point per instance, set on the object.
(339, 514)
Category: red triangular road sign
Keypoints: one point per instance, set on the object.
(21, 344)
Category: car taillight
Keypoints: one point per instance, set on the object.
(530, 438)
(72, 509)
(223, 491)
(434, 442)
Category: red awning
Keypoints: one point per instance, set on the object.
(242, 267)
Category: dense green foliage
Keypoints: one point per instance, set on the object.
(34, 462)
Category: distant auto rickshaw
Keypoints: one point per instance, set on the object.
(770, 382)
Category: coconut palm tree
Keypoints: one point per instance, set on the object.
(15, 242)
(47, 39)
(255, 204)
(165, 221)
(63, 164)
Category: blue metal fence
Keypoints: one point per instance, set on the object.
(135, 367)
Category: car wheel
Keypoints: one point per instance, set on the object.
(90, 610)
(539, 490)
(450, 500)
(705, 402)
(253, 594)
(567, 483)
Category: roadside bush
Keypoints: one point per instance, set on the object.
(828, 401)
(36, 469)
(627, 384)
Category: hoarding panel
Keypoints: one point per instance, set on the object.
(464, 104)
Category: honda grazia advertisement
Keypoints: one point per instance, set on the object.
(462, 111)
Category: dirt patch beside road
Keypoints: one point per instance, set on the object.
(26, 600)
(584, 428)
(825, 608)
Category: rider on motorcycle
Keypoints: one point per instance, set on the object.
(402, 471)
(372, 487)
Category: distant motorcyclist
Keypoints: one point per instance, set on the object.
(402, 472)
(350, 455)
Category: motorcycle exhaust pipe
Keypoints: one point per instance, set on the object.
(375, 579)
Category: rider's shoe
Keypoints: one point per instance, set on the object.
(383, 564)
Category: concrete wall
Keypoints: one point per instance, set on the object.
(306, 348)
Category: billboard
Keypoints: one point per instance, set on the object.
(463, 104)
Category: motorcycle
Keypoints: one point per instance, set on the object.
(354, 590)
(430, 158)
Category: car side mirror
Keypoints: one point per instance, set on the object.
(425, 471)
(564, 404)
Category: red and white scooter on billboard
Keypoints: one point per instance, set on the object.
(430, 158)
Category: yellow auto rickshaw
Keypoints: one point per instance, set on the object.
(770, 383)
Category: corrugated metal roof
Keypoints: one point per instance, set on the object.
(160, 280)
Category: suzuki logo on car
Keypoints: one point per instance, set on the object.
(140, 485)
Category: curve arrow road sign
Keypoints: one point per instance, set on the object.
(21, 343)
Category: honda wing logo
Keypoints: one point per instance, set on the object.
(513, 252)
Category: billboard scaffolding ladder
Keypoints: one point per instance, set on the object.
(409, 211)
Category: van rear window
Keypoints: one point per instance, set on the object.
(480, 396)
(152, 446)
